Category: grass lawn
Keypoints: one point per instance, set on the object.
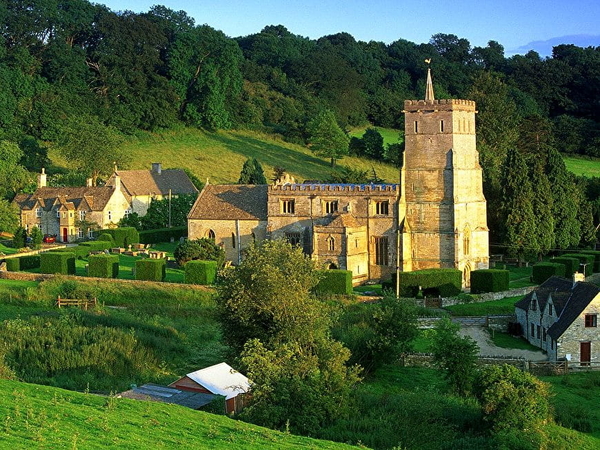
(519, 276)
(360, 290)
(7, 250)
(505, 340)
(583, 166)
(495, 307)
(390, 135)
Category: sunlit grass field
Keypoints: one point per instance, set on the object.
(583, 166)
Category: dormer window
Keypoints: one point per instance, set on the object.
(550, 308)
(38, 212)
(58, 214)
(591, 320)
(81, 215)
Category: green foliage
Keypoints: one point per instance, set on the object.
(489, 280)
(204, 249)
(455, 355)
(157, 215)
(13, 176)
(200, 272)
(334, 281)
(106, 237)
(163, 235)
(13, 265)
(103, 266)
(36, 238)
(9, 216)
(596, 258)
(544, 270)
(20, 238)
(493, 307)
(150, 269)
(95, 246)
(326, 138)
(571, 264)
(57, 262)
(584, 259)
(30, 262)
(444, 282)
(123, 236)
(512, 399)
(252, 173)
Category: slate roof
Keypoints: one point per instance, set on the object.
(96, 197)
(230, 202)
(150, 182)
(221, 379)
(166, 394)
(569, 301)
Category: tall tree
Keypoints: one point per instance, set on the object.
(252, 173)
(373, 143)
(542, 203)
(13, 176)
(326, 138)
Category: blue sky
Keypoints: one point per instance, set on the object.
(512, 23)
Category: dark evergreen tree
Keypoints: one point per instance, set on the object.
(373, 144)
(252, 173)
(542, 202)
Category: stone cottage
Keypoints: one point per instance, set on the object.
(561, 317)
(435, 217)
(157, 183)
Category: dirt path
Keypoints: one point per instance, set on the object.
(487, 347)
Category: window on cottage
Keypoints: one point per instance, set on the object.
(210, 234)
(81, 215)
(294, 238)
(288, 206)
(38, 212)
(467, 244)
(550, 308)
(330, 244)
(382, 208)
(591, 320)
(552, 344)
(533, 305)
(538, 331)
(58, 214)
(441, 126)
(543, 334)
(233, 240)
(331, 206)
(381, 251)
(80, 233)
(90, 233)
(416, 126)
(109, 215)
(356, 242)
(532, 330)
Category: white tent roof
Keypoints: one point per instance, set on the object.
(221, 379)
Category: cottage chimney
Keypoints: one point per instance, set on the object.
(117, 182)
(157, 168)
(42, 179)
(89, 182)
(577, 277)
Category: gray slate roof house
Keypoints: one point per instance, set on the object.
(561, 317)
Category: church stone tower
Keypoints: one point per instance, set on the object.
(442, 202)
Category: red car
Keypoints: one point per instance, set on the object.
(48, 239)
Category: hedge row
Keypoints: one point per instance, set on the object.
(445, 282)
(334, 281)
(12, 265)
(596, 258)
(57, 262)
(571, 265)
(150, 269)
(96, 246)
(586, 260)
(200, 272)
(103, 266)
(122, 237)
(489, 280)
(163, 235)
(540, 272)
(23, 263)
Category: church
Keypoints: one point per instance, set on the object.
(434, 218)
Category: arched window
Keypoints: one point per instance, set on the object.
(210, 234)
(330, 244)
(233, 240)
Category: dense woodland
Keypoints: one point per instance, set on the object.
(79, 76)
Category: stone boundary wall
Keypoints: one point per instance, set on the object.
(500, 323)
(32, 252)
(488, 296)
(426, 360)
(27, 276)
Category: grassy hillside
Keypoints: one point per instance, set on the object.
(44, 418)
(219, 156)
(390, 135)
(583, 166)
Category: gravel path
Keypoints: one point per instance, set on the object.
(487, 347)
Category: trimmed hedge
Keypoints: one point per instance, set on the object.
(571, 265)
(106, 237)
(540, 272)
(588, 260)
(596, 254)
(57, 262)
(13, 265)
(163, 235)
(334, 281)
(123, 236)
(150, 269)
(200, 272)
(447, 282)
(96, 246)
(29, 262)
(489, 280)
(103, 266)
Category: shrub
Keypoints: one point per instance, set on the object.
(20, 238)
(540, 272)
(445, 282)
(13, 265)
(29, 262)
(163, 235)
(106, 237)
(334, 281)
(596, 258)
(36, 237)
(103, 266)
(123, 236)
(200, 272)
(489, 280)
(571, 265)
(586, 260)
(57, 262)
(96, 246)
(203, 249)
(150, 269)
